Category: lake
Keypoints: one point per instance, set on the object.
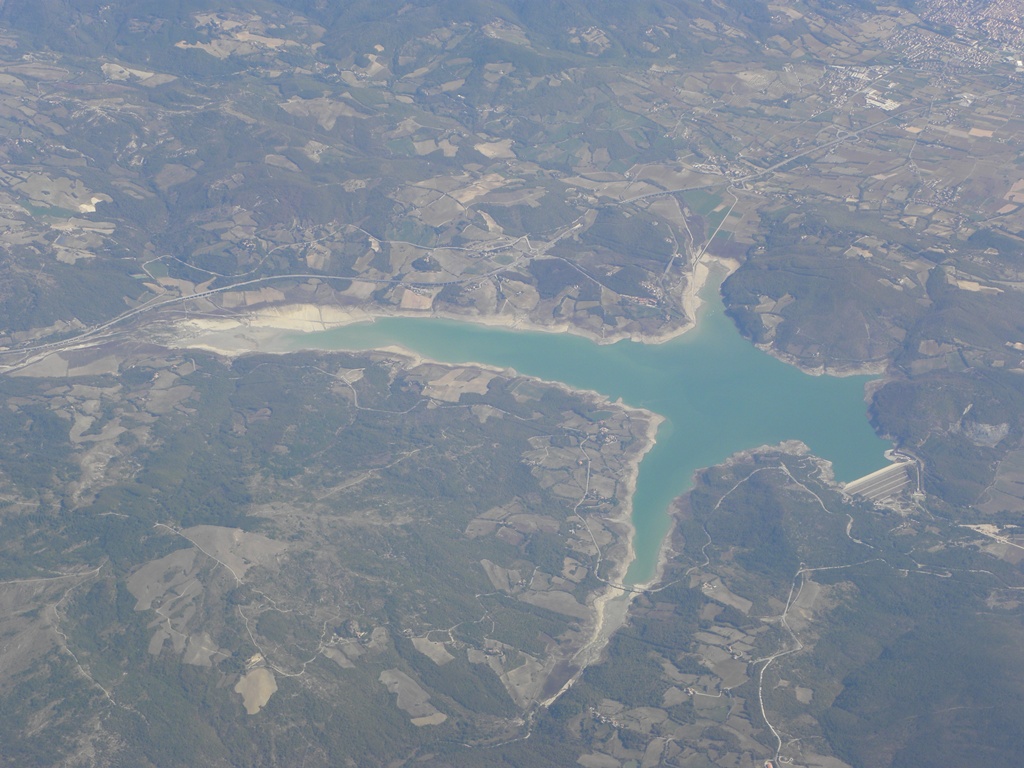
(718, 393)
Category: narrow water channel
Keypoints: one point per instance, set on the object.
(718, 394)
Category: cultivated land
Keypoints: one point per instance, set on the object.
(211, 550)
(326, 524)
(791, 622)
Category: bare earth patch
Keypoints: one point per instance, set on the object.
(412, 699)
(256, 688)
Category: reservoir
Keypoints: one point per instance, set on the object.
(718, 393)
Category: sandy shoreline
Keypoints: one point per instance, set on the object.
(607, 621)
(864, 369)
(261, 323)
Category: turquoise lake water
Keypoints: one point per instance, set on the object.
(717, 392)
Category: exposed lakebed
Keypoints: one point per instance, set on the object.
(717, 393)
